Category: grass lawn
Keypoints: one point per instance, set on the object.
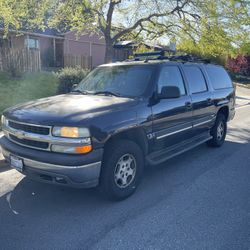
(28, 87)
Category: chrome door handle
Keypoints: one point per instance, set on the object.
(188, 105)
(209, 100)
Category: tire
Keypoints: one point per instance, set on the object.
(218, 132)
(122, 170)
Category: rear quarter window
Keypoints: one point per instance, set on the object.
(218, 76)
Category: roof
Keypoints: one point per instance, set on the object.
(46, 32)
(149, 62)
(159, 57)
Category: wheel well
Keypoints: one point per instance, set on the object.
(224, 111)
(136, 135)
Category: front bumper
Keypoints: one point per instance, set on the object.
(80, 171)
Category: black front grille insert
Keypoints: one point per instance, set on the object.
(30, 143)
(29, 128)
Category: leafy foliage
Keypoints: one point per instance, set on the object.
(214, 28)
(68, 77)
(240, 65)
(223, 30)
(117, 19)
(17, 14)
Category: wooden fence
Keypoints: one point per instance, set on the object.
(84, 62)
(22, 60)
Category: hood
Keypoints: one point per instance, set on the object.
(68, 109)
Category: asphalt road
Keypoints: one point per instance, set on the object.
(199, 200)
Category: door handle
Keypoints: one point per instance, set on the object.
(188, 105)
(209, 100)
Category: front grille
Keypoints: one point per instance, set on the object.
(29, 128)
(30, 143)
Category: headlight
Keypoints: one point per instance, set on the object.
(70, 132)
(4, 121)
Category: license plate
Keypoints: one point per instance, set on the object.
(16, 163)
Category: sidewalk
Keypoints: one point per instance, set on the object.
(242, 96)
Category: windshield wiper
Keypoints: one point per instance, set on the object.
(106, 93)
(84, 92)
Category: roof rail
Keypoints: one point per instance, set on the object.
(147, 55)
(160, 55)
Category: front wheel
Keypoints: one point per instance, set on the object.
(122, 170)
(218, 132)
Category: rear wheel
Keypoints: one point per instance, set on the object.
(122, 170)
(219, 131)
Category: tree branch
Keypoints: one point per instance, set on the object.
(139, 23)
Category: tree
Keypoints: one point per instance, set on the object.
(223, 30)
(214, 27)
(118, 18)
(17, 14)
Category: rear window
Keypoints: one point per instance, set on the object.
(218, 77)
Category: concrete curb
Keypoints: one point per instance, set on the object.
(242, 85)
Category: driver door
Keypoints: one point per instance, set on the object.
(172, 118)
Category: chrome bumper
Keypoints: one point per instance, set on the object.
(75, 176)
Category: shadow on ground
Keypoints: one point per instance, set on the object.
(64, 211)
(4, 166)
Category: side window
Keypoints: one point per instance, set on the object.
(171, 76)
(196, 80)
(218, 77)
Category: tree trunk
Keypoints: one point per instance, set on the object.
(109, 53)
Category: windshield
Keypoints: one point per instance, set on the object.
(127, 81)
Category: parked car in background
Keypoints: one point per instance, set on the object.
(119, 118)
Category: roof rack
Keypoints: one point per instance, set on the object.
(160, 55)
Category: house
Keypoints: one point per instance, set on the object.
(125, 49)
(57, 49)
(50, 48)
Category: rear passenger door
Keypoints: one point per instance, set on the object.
(202, 98)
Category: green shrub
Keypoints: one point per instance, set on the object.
(68, 77)
(30, 86)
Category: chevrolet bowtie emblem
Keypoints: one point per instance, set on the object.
(20, 134)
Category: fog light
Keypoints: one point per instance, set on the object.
(60, 180)
(71, 150)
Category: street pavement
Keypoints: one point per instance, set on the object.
(198, 200)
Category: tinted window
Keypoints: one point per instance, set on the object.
(195, 79)
(218, 77)
(171, 76)
(121, 80)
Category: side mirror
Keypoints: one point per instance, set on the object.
(169, 92)
(73, 87)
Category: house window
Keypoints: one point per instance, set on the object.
(32, 43)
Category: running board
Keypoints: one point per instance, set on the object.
(165, 154)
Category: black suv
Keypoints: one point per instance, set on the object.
(119, 118)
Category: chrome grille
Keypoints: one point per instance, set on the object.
(38, 136)
(30, 128)
(29, 143)
(28, 135)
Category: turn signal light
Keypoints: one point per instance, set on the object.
(83, 149)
